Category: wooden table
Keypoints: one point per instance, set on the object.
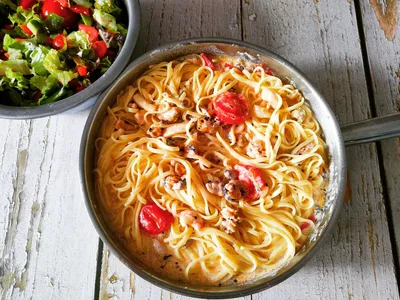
(49, 248)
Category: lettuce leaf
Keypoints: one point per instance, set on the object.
(16, 65)
(106, 20)
(107, 6)
(58, 68)
(37, 57)
(78, 39)
(16, 80)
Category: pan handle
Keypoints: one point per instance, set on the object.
(371, 130)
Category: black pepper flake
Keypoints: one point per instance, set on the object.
(220, 284)
(166, 257)
(162, 267)
(180, 270)
(142, 253)
(235, 280)
(176, 263)
(150, 129)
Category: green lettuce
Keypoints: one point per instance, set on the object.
(106, 20)
(16, 80)
(58, 68)
(37, 57)
(78, 39)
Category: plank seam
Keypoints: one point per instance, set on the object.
(98, 270)
(382, 171)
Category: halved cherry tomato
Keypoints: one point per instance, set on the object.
(252, 178)
(100, 47)
(153, 220)
(91, 32)
(82, 70)
(27, 4)
(63, 3)
(59, 41)
(80, 10)
(231, 108)
(208, 62)
(26, 29)
(52, 6)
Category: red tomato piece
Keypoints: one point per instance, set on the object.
(100, 47)
(52, 6)
(153, 220)
(59, 41)
(80, 10)
(91, 32)
(37, 96)
(27, 4)
(304, 225)
(63, 3)
(252, 178)
(20, 39)
(49, 41)
(26, 29)
(208, 62)
(82, 70)
(231, 108)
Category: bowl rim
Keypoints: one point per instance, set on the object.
(154, 279)
(94, 90)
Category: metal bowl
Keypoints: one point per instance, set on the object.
(327, 217)
(88, 96)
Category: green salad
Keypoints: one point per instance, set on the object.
(51, 49)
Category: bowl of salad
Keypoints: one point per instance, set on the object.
(59, 55)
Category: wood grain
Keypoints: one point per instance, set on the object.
(384, 62)
(48, 246)
(321, 38)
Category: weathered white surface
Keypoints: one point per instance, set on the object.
(321, 38)
(48, 245)
(384, 61)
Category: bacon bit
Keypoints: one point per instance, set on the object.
(207, 125)
(231, 219)
(192, 218)
(234, 190)
(139, 117)
(208, 62)
(215, 187)
(155, 131)
(174, 182)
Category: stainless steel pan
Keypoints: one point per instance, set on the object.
(356, 133)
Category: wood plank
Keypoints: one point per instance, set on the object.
(321, 38)
(48, 246)
(384, 62)
(164, 22)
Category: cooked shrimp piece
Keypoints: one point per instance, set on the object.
(255, 148)
(234, 190)
(191, 218)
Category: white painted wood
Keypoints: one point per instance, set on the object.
(48, 245)
(384, 61)
(321, 38)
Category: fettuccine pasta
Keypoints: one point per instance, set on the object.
(211, 169)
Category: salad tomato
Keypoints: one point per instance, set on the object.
(91, 32)
(80, 10)
(25, 29)
(82, 70)
(153, 220)
(27, 4)
(231, 108)
(100, 47)
(59, 42)
(252, 178)
(52, 6)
